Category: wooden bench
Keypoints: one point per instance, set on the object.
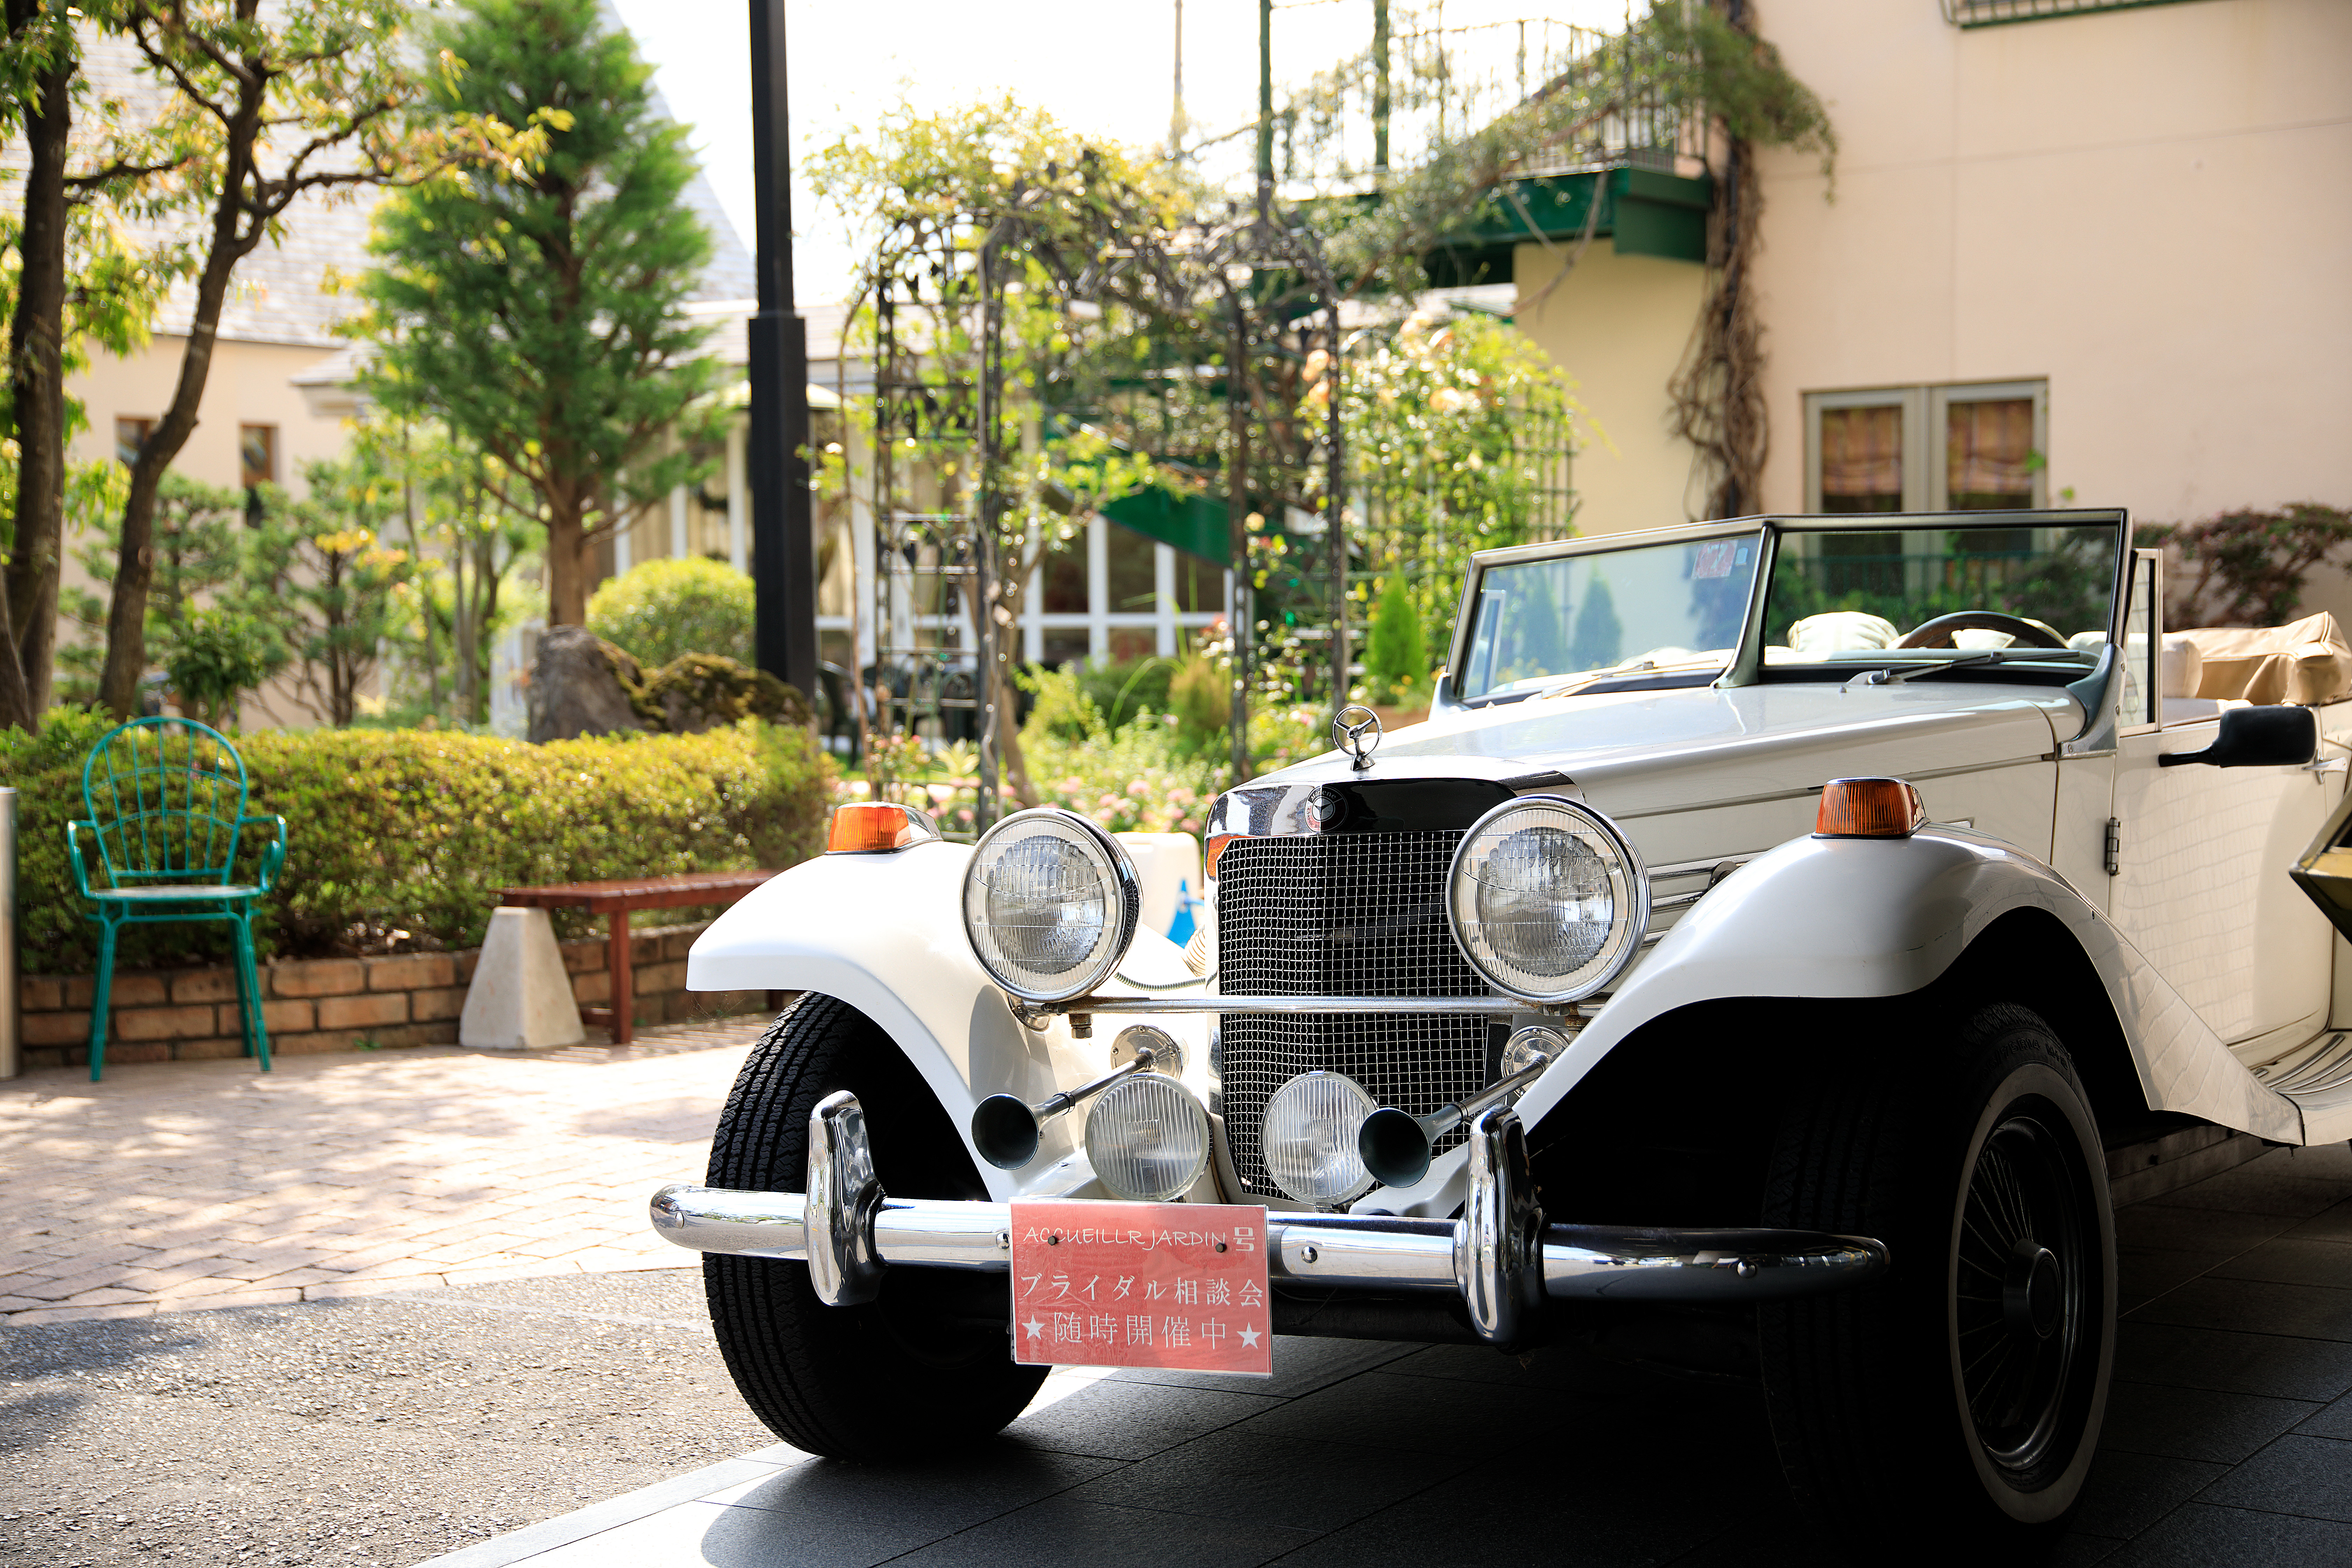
(614, 900)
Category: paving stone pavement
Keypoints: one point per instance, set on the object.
(208, 1183)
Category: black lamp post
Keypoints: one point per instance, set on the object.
(784, 547)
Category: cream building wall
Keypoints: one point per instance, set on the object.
(1618, 324)
(2146, 207)
(250, 384)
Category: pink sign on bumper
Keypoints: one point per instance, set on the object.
(1119, 1284)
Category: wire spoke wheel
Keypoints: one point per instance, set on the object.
(1967, 1389)
(2021, 1288)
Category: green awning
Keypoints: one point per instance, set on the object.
(1643, 212)
(1199, 524)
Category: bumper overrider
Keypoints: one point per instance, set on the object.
(1500, 1262)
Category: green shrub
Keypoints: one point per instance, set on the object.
(668, 608)
(419, 830)
(1122, 690)
(1396, 660)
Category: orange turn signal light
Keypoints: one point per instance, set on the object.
(1217, 842)
(1869, 809)
(873, 827)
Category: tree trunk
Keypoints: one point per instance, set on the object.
(36, 352)
(126, 613)
(16, 709)
(567, 564)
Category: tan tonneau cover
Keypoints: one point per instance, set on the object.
(2305, 662)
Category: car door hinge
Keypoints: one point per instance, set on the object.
(2115, 846)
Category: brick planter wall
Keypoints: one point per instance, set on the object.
(335, 1004)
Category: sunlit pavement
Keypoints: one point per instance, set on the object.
(207, 1183)
(2229, 1439)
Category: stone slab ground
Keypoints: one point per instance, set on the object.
(178, 1185)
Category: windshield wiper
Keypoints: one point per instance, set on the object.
(1890, 675)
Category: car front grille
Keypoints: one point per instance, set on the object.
(1343, 915)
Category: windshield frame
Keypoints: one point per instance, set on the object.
(1746, 665)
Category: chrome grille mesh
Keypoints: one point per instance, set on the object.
(1350, 915)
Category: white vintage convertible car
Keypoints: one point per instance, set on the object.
(1782, 946)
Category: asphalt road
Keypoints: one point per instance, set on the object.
(374, 1430)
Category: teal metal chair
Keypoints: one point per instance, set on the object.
(165, 801)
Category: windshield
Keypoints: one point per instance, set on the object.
(2032, 595)
(1639, 611)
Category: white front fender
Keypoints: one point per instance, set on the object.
(884, 934)
(1822, 918)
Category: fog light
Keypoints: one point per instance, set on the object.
(1309, 1138)
(1147, 1138)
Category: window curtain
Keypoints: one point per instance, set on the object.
(1862, 459)
(1989, 453)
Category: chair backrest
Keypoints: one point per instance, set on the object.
(166, 795)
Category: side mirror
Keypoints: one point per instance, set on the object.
(2257, 738)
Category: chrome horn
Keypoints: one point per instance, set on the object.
(1396, 1145)
(1007, 1129)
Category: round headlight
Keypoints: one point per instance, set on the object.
(1547, 899)
(1309, 1138)
(1148, 1140)
(1049, 904)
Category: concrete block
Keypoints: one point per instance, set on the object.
(652, 979)
(288, 1018)
(139, 991)
(162, 1023)
(318, 977)
(411, 972)
(205, 986)
(1169, 867)
(55, 1028)
(579, 957)
(645, 947)
(35, 995)
(364, 1011)
(79, 990)
(232, 1018)
(445, 1003)
(591, 990)
(120, 1051)
(462, 963)
(679, 940)
(521, 998)
(212, 1048)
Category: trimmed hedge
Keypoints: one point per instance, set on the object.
(419, 830)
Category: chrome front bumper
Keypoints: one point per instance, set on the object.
(1499, 1258)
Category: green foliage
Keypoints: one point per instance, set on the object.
(1459, 433)
(322, 574)
(221, 656)
(2247, 568)
(541, 315)
(200, 548)
(419, 830)
(1685, 58)
(1396, 657)
(660, 610)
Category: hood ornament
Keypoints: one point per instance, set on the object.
(1356, 729)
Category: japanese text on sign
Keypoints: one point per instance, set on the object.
(1129, 1284)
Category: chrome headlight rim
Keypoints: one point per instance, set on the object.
(1630, 892)
(1126, 901)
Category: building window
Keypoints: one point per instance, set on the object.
(130, 439)
(256, 454)
(1969, 447)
